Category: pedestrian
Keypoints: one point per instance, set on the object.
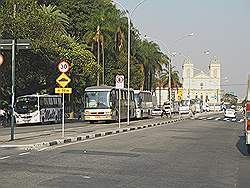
(79, 116)
(192, 110)
(164, 110)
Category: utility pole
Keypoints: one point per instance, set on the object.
(13, 44)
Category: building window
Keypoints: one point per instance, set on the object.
(215, 73)
(188, 72)
(201, 84)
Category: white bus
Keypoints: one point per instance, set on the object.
(101, 103)
(143, 103)
(31, 109)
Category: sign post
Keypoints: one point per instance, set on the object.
(63, 81)
(119, 85)
(12, 44)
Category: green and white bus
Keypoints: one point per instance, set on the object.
(30, 109)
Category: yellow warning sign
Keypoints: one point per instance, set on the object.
(180, 94)
(63, 90)
(63, 80)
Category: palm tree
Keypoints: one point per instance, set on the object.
(151, 59)
(57, 16)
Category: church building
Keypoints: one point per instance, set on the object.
(202, 85)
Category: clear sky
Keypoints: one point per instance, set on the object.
(220, 26)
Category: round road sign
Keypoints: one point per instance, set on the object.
(63, 66)
(119, 81)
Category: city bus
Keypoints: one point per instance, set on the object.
(30, 109)
(143, 104)
(101, 103)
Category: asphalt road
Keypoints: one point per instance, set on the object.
(192, 153)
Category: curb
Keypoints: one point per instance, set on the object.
(38, 146)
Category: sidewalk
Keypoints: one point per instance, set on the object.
(30, 141)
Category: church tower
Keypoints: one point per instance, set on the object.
(215, 75)
(214, 68)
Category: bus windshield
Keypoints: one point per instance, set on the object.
(97, 99)
(26, 105)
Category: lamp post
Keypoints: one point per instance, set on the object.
(170, 60)
(129, 15)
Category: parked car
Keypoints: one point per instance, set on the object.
(156, 112)
(176, 107)
(230, 113)
(184, 107)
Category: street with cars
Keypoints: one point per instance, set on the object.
(187, 153)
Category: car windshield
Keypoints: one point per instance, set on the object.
(184, 103)
(26, 105)
(157, 109)
(97, 99)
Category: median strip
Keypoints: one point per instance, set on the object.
(102, 134)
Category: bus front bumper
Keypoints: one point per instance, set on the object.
(97, 118)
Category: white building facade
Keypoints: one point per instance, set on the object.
(201, 85)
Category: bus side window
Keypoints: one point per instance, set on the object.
(59, 99)
(125, 95)
(55, 102)
(41, 102)
(46, 102)
(117, 94)
(131, 95)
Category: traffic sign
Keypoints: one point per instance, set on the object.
(63, 66)
(63, 90)
(119, 81)
(63, 80)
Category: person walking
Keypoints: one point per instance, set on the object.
(164, 108)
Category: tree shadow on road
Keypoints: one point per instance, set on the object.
(242, 146)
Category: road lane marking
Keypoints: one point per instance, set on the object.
(4, 157)
(225, 119)
(217, 119)
(234, 119)
(26, 153)
(210, 118)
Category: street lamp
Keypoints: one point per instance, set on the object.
(170, 61)
(129, 16)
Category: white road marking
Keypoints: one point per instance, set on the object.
(210, 118)
(4, 157)
(217, 119)
(26, 153)
(234, 119)
(225, 119)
